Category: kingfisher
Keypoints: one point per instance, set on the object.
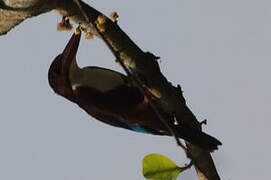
(111, 98)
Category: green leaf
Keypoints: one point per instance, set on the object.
(159, 167)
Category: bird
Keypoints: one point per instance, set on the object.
(111, 98)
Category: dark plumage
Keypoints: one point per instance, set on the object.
(107, 96)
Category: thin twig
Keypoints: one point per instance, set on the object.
(84, 14)
(137, 81)
(154, 107)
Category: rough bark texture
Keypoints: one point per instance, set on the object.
(13, 12)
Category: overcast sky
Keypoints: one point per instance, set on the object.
(218, 51)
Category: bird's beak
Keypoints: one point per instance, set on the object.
(69, 53)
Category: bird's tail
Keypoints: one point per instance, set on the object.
(199, 138)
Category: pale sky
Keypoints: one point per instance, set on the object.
(218, 51)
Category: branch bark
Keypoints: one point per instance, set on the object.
(170, 98)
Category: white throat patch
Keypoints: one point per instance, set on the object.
(94, 77)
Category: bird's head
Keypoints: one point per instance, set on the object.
(58, 74)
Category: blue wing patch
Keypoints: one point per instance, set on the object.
(139, 129)
(118, 123)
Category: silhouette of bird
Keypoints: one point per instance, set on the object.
(109, 97)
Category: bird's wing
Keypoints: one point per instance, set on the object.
(112, 109)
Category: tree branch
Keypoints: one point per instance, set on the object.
(168, 97)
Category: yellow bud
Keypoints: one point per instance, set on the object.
(101, 19)
(89, 35)
(114, 16)
(101, 27)
(77, 30)
(64, 25)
